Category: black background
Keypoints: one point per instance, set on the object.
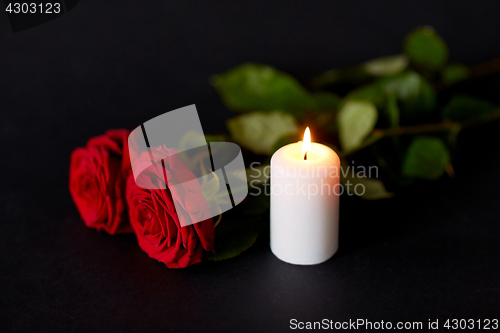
(429, 254)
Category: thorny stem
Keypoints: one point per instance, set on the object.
(445, 126)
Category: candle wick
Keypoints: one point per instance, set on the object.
(305, 156)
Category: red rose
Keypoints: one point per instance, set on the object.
(97, 181)
(156, 222)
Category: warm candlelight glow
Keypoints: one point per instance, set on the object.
(306, 143)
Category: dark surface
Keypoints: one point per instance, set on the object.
(433, 253)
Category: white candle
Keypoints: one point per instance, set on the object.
(305, 202)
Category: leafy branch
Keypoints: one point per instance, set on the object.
(444, 126)
(387, 97)
(389, 104)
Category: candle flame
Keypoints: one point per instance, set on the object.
(306, 143)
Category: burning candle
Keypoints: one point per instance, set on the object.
(305, 202)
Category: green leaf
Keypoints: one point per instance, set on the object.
(232, 243)
(415, 94)
(425, 48)
(372, 93)
(351, 75)
(251, 87)
(237, 230)
(325, 101)
(463, 107)
(453, 135)
(284, 140)
(258, 174)
(215, 137)
(256, 204)
(392, 114)
(356, 119)
(392, 110)
(366, 188)
(364, 73)
(426, 157)
(259, 131)
(389, 157)
(387, 65)
(454, 73)
(322, 123)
